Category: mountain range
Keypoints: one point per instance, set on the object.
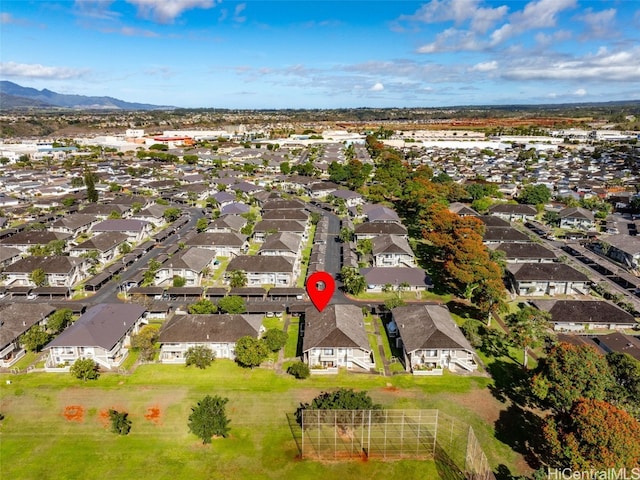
(14, 96)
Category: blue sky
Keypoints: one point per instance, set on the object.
(325, 54)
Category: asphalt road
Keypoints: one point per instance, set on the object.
(109, 291)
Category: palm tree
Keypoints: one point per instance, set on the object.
(237, 278)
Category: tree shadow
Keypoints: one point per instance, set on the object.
(510, 382)
(447, 469)
(522, 430)
(464, 310)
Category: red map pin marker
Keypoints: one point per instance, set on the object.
(320, 296)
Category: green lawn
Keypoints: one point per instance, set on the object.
(39, 442)
(291, 347)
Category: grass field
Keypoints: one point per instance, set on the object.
(37, 440)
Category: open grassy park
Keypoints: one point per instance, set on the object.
(55, 425)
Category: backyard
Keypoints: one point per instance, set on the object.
(55, 426)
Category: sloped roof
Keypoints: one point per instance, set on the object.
(103, 241)
(17, 318)
(279, 226)
(101, 326)
(336, 326)
(584, 311)
(282, 241)
(428, 326)
(223, 328)
(504, 234)
(53, 264)
(120, 225)
(261, 264)
(193, 258)
(513, 209)
(380, 228)
(546, 271)
(526, 250)
(74, 221)
(227, 239)
(396, 275)
(391, 244)
(576, 212)
(34, 237)
(233, 222)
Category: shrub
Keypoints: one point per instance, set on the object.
(300, 370)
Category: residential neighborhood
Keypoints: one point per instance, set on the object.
(214, 252)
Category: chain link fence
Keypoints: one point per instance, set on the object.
(392, 435)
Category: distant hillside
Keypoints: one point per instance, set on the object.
(14, 96)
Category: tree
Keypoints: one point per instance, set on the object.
(200, 356)
(35, 338)
(535, 195)
(345, 235)
(251, 352)
(85, 369)
(626, 373)
(120, 422)
(285, 168)
(594, 435)
(59, 320)
(341, 399)
(39, 277)
(145, 342)
(125, 248)
(528, 328)
(232, 304)
(179, 281)
(171, 214)
(299, 370)
(208, 418)
(202, 307)
(393, 302)
(353, 282)
(202, 224)
(275, 339)
(570, 372)
(89, 181)
(237, 279)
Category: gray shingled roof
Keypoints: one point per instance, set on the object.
(584, 311)
(391, 244)
(103, 241)
(74, 221)
(120, 225)
(526, 250)
(428, 327)
(396, 275)
(227, 239)
(233, 222)
(224, 328)
(523, 272)
(17, 318)
(576, 212)
(282, 241)
(53, 264)
(101, 326)
(336, 326)
(193, 258)
(34, 237)
(504, 234)
(380, 228)
(279, 226)
(260, 264)
(512, 208)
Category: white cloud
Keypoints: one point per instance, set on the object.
(535, 15)
(165, 11)
(97, 9)
(581, 92)
(378, 87)
(35, 70)
(485, 66)
(458, 11)
(452, 40)
(598, 24)
(603, 66)
(238, 10)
